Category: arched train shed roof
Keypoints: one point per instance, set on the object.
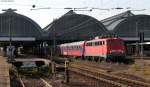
(128, 26)
(72, 26)
(18, 26)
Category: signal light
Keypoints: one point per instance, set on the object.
(33, 6)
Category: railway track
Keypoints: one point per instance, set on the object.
(34, 82)
(104, 77)
(93, 65)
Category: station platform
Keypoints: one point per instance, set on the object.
(4, 73)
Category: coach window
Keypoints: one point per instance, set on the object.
(89, 44)
(93, 43)
(104, 42)
(96, 43)
(100, 42)
(76, 47)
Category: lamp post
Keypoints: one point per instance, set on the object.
(54, 36)
(54, 41)
(139, 36)
(141, 41)
(136, 27)
(10, 48)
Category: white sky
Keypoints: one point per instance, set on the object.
(45, 16)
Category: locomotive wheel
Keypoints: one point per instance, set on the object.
(89, 58)
(101, 59)
(96, 59)
(107, 60)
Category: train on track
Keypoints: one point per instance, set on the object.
(98, 49)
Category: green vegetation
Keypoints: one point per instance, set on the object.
(29, 71)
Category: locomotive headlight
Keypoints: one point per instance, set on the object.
(122, 51)
(116, 51)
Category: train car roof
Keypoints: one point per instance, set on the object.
(102, 39)
(73, 43)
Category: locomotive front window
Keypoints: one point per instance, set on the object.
(115, 42)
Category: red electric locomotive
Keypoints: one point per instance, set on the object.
(105, 48)
(97, 49)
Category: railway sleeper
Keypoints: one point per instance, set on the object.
(104, 81)
(112, 77)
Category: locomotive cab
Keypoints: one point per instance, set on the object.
(115, 49)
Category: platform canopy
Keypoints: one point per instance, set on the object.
(72, 26)
(18, 27)
(129, 26)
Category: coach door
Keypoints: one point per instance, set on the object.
(100, 48)
(103, 48)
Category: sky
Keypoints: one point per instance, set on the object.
(43, 17)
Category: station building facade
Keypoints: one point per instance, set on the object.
(75, 27)
(133, 29)
(129, 26)
(18, 30)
